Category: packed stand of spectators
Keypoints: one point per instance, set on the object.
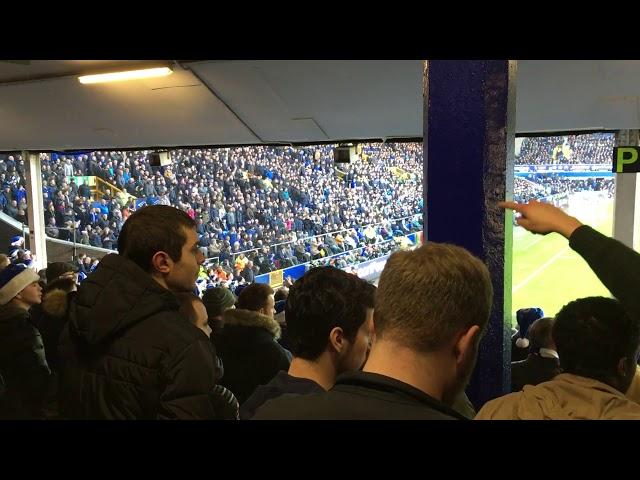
(342, 250)
(524, 189)
(242, 198)
(538, 186)
(596, 148)
(13, 196)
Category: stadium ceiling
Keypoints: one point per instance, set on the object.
(209, 102)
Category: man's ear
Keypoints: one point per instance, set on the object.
(161, 262)
(626, 367)
(465, 348)
(337, 339)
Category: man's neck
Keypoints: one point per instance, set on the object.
(422, 371)
(320, 370)
(160, 280)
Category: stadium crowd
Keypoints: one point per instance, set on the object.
(539, 186)
(596, 148)
(247, 198)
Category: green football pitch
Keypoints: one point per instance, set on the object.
(547, 273)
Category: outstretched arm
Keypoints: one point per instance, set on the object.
(616, 265)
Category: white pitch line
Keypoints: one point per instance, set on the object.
(540, 269)
(538, 238)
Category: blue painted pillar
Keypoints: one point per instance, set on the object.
(469, 130)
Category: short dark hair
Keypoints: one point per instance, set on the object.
(592, 334)
(539, 334)
(281, 294)
(323, 299)
(152, 229)
(254, 297)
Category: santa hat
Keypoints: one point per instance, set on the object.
(13, 279)
(17, 240)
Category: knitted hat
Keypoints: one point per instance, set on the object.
(217, 300)
(13, 279)
(525, 317)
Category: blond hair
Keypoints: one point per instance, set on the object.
(427, 295)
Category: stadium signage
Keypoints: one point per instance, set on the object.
(369, 270)
(625, 159)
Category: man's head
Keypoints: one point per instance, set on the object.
(217, 300)
(435, 300)
(329, 310)
(19, 284)
(281, 294)
(596, 338)
(257, 297)
(540, 335)
(162, 240)
(57, 270)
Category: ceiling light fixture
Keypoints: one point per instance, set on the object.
(128, 75)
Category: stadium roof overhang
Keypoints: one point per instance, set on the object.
(44, 107)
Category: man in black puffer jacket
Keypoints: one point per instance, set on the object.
(127, 353)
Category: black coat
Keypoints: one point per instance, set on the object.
(532, 371)
(126, 353)
(249, 351)
(360, 396)
(281, 384)
(22, 365)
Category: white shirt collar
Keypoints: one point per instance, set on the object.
(548, 353)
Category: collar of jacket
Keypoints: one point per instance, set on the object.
(376, 381)
(585, 382)
(250, 318)
(55, 303)
(548, 353)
